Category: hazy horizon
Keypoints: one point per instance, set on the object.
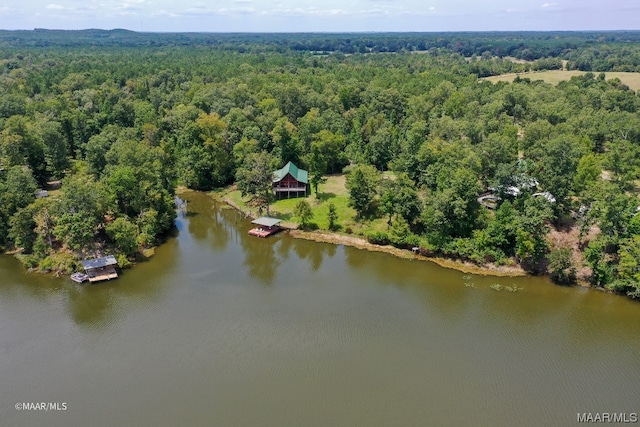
(329, 16)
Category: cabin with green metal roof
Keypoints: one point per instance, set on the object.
(290, 180)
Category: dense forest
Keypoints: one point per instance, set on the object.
(119, 119)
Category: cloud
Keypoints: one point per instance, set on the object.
(126, 6)
(548, 5)
(163, 12)
(237, 11)
(55, 6)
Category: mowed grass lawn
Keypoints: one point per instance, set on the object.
(333, 191)
(556, 76)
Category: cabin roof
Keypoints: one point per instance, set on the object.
(99, 262)
(298, 174)
(266, 221)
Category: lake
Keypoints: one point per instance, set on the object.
(223, 329)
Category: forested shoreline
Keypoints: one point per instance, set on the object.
(122, 118)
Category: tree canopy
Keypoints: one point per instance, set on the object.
(123, 125)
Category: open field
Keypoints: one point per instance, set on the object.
(556, 76)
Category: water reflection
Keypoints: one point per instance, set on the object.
(313, 253)
(451, 294)
(206, 221)
(379, 340)
(260, 258)
(91, 305)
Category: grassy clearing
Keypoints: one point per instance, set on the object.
(556, 76)
(333, 191)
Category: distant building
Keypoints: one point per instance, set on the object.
(290, 180)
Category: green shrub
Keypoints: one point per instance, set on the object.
(413, 240)
(399, 232)
(561, 268)
(378, 238)
(29, 261)
(123, 261)
(620, 287)
(47, 264)
(461, 248)
(60, 262)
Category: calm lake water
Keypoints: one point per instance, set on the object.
(224, 329)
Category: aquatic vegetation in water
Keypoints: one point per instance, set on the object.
(513, 288)
(467, 281)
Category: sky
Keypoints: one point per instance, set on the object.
(321, 16)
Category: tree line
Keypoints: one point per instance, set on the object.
(122, 126)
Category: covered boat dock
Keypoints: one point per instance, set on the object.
(99, 269)
(267, 226)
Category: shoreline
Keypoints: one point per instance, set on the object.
(325, 236)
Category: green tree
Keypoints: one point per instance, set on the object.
(628, 269)
(557, 167)
(55, 149)
(255, 179)
(80, 212)
(125, 187)
(44, 221)
(561, 267)
(317, 167)
(502, 229)
(124, 234)
(587, 174)
(304, 212)
(332, 147)
(212, 132)
(76, 230)
(20, 145)
(362, 183)
(97, 147)
(18, 189)
(149, 227)
(399, 232)
(531, 243)
(621, 159)
(611, 209)
(332, 216)
(452, 210)
(205, 157)
(598, 257)
(285, 139)
(21, 229)
(399, 196)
